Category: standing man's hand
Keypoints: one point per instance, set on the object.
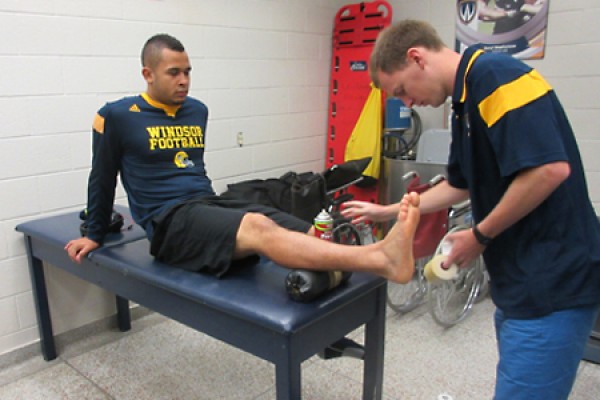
(465, 248)
(79, 248)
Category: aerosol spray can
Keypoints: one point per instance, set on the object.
(324, 226)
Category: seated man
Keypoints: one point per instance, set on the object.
(155, 141)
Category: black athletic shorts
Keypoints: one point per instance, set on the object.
(199, 234)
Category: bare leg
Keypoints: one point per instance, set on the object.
(391, 257)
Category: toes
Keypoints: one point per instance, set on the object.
(415, 199)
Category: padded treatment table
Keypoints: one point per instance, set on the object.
(249, 308)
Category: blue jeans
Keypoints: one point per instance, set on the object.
(539, 357)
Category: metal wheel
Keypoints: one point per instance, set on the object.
(450, 301)
(484, 290)
(406, 297)
(346, 233)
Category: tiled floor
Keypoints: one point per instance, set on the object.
(161, 359)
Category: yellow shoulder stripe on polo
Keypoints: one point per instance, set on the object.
(513, 95)
(98, 124)
(469, 65)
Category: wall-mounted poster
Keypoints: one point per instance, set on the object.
(516, 27)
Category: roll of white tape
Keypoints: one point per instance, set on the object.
(434, 272)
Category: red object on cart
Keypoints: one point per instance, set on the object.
(432, 227)
(356, 27)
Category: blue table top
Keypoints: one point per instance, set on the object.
(60, 229)
(255, 292)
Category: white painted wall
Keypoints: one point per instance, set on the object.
(571, 65)
(262, 66)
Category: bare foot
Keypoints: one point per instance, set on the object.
(398, 244)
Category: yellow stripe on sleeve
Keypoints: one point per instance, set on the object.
(513, 95)
(98, 124)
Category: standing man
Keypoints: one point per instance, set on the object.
(513, 153)
(155, 142)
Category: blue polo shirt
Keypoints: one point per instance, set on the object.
(507, 118)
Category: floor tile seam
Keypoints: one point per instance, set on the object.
(88, 379)
(263, 395)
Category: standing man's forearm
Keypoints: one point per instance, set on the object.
(441, 196)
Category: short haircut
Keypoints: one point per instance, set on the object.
(391, 47)
(151, 52)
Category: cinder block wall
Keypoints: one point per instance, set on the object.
(571, 65)
(262, 66)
